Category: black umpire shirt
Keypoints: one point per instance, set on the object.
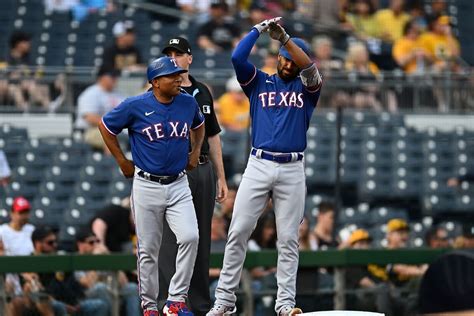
(204, 98)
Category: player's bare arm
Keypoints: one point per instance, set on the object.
(127, 166)
(215, 152)
(197, 137)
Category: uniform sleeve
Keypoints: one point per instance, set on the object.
(198, 117)
(212, 125)
(312, 96)
(244, 70)
(119, 118)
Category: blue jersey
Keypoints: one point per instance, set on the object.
(158, 133)
(280, 110)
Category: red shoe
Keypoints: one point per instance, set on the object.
(176, 309)
(151, 312)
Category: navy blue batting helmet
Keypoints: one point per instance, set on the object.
(163, 66)
(301, 43)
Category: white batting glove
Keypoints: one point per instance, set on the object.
(263, 26)
(277, 32)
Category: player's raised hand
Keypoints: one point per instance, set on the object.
(277, 32)
(263, 26)
(127, 167)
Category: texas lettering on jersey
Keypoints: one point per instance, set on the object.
(288, 99)
(155, 131)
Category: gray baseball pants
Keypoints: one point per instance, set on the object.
(152, 203)
(287, 183)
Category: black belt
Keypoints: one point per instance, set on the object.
(160, 179)
(280, 158)
(203, 159)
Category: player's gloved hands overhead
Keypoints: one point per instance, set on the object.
(277, 32)
(263, 26)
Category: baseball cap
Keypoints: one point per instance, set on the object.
(443, 19)
(358, 235)
(122, 27)
(20, 204)
(396, 224)
(163, 66)
(300, 43)
(180, 44)
(107, 71)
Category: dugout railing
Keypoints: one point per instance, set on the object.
(338, 259)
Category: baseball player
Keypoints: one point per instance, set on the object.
(202, 181)
(159, 124)
(281, 106)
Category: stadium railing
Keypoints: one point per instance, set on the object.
(339, 259)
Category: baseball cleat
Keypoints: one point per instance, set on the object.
(176, 309)
(151, 312)
(288, 311)
(222, 310)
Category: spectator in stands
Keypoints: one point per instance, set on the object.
(408, 53)
(15, 236)
(83, 8)
(233, 107)
(94, 281)
(441, 45)
(323, 56)
(123, 55)
(456, 181)
(5, 172)
(257, 12)
(23, 87)
(325, 15)
(67, 293)
(113, 226)
(323, 231)
(270, 62)
(392, 21)
(437, 237)
(466, 240)
(363, 21)
(95, 101)
(306, 239)
(220, 32)
(404, 277)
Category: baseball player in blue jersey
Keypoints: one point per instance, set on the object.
(159, 124)
(281, 106)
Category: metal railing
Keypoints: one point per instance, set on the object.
(339, 259)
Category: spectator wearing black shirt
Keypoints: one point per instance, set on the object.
(323, 230)
(220, 32)
(114, 228)
(123, 55)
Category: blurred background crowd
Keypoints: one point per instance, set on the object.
(401, 71)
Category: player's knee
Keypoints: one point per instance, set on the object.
(189, 238)
(287, 239)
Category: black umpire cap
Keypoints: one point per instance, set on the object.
(178, 43)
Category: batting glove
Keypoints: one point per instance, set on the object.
(263, 26)
(277, 32)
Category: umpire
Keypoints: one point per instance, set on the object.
(202, 181)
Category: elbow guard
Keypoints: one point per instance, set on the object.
(310, 76)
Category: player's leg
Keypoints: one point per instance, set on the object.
(203, 189)
(181, 218)
(148, 204)
(288, 200)
(166, 262)
(249, 203)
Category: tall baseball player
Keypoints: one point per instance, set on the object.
(202, 181)
(159, 124)
(281, 106)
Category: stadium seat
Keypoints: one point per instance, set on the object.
(28, 174)
(77, 217)
(51, 217)
(18, 188)
(381, 215)
(91, 190)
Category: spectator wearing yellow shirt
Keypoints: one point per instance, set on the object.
(440, 44)
(233, 107)
(363, 20)
(392, 20)
(407, 51)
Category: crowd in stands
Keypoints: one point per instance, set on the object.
(354, 38)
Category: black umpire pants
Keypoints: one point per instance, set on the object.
(202, 182)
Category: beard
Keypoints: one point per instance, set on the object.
(287, 74)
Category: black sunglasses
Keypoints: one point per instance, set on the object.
(51, 242)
